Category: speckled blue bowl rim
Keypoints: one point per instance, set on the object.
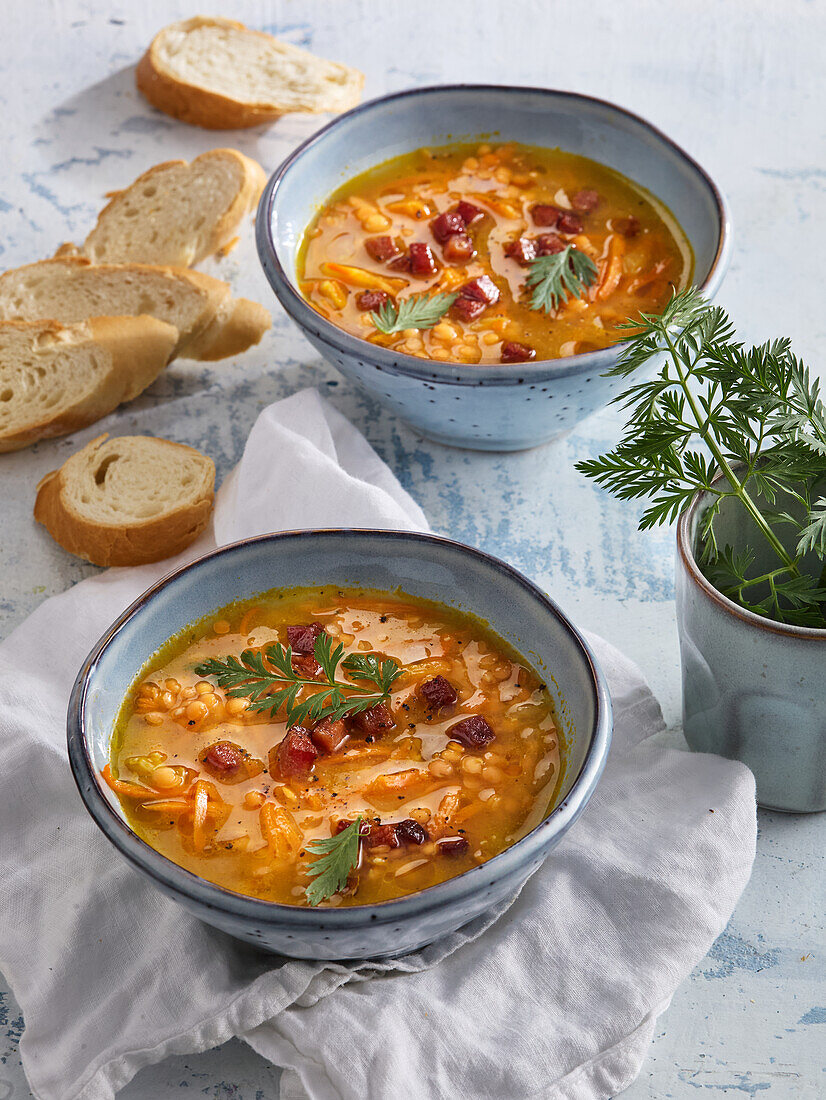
(495, 374)
(206, 894)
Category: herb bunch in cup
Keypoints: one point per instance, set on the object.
(752, 415)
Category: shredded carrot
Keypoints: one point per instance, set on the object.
(280, 830)
(612, 271)
(466, 812)
(122, 787)
(168, 806)
(358, 276)
(200, 819)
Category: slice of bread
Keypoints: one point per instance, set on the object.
(177, 213)
(127, 501)
(55, 379)
(218, 74)
(210, 323)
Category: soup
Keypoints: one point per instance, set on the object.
(483, 244)
(441, 749)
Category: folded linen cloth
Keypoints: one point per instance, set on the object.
(554, 997)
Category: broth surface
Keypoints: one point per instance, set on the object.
(530, 200)
(467, 803)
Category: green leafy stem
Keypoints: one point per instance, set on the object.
(270, 682)
(734, 422)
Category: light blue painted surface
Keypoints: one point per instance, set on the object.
(741, 85)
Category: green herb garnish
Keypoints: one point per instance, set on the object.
(415, 311)
(754, 415)
(270, 682)
(337, 856)
(552, 278)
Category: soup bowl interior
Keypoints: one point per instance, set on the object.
(419, 565)
(523, 403)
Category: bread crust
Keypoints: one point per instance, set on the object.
(211, 110)
(236, 326)
(126, 544)
(139, 347)
(216, 295)
(245, 200)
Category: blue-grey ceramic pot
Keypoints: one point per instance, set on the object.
(497, 407)
(421, 565)
(753, 689)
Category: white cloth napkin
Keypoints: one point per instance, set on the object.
(556, 998)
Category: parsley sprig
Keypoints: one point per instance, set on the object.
(337, 856)
(552, 278)
(416, 311)
(270, 682)
(752, 414)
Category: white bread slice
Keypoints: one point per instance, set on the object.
(210, 323)
(218, 74)
(127, 501)
(55, 379)
(177, 213)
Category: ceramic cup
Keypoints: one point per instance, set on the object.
(754, 690)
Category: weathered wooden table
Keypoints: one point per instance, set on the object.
(742, 85)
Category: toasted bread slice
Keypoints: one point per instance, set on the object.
(210, 323)
(127, 501)
(219, 74)
(55, 379)
(177, 213)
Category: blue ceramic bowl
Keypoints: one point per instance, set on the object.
(424, 566)
(501, 406)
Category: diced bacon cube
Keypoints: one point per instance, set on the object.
(548, 243)
(422, 260)
(380, 835)
(453, 846)
(585, 201)
(382, 249)
(459, 249)
(544, 214)
(410, 832)
(371, 300)
(438, 693)
(446, 225)
(371, 722)
(569, 222)
(513, 352)
(302, 638)
(523, 250)
(628, 227)
(468, 212)
(467, 309)
(222, 758)
(473, 732)
(306, 665)
(401, 263)
(329, 736)
(293, 756)
(483, 289)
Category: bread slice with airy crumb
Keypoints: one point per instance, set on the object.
(211, 323)
(217, 73)
(56, 379)
(127, 501)
(177, 213)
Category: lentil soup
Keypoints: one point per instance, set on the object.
(461, 760)
(472, 221)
